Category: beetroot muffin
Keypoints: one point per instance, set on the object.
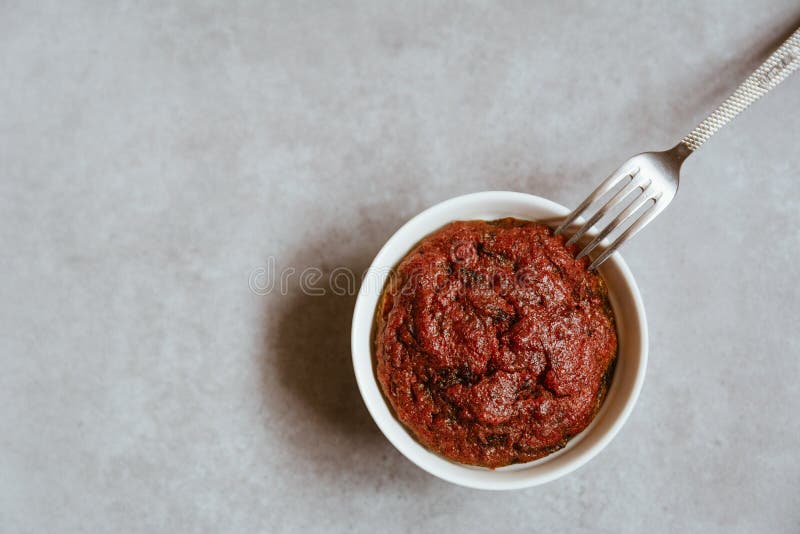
(494, 345)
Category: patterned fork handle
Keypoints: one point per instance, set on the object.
(772, 72)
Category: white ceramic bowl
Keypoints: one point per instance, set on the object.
(625, 386)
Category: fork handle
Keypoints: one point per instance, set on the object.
(777, 67)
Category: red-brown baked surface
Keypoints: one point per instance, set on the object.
(493, 344)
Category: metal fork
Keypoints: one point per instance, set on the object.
(656, 174)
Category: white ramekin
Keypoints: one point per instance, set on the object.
(625, 386)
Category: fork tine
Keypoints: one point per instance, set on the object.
(636, 181)
(638, 201)
(647, 216)
(606, 185)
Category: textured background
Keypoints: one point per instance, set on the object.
(153, 154)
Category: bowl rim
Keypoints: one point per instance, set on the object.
(461, 474)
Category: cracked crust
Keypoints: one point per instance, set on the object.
(494, 345)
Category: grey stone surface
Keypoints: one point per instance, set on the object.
(154, 154)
